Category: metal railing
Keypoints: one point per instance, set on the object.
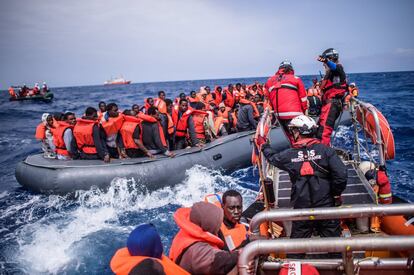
(356, 103)
(259, 247)
(323, 213)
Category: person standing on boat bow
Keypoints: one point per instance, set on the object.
(317, 174)
(287, 95)
(333, 89)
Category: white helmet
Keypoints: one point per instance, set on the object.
(306, 125)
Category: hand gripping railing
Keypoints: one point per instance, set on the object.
(373, 111)
(324, 213)
(400, 243)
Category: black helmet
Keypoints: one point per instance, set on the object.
(331, 54)
(286, 64)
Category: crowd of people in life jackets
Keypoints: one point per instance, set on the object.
(24, 91)
(211, 233)
(162, 125)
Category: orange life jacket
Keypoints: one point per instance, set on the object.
(100, 115)
(58, 138)
(127, 131)
(229, 102)
(113, 125)
(122, 263)
(198, 118)
(83, 133)
(219, 97)
(255, 110)
(224, 115)
(192, 100)
(160, 104)
(181, 125)
(209, 98)
(170, 125)
(190, 233)
(234, 236)
(218, 122)
(40, 131)
(12, 93)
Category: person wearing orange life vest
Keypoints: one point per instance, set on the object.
(90, 138)
(63, 139)
(245, 116)
(169, 135)
(199, 118)
(160, 104)
(287, 94)
(317, 173)
(333, 87)
(144, 246)
(111, 123)
(196, 247)
(44, 133)
(218, 98)
(232, 232)
(193, 99)
(153, 136)
(148, 102)
(226, 114)
(131, 134)
(12, 93)
(177, 100)
(227, 96)
(184, 124)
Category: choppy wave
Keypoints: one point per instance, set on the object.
(50, 243)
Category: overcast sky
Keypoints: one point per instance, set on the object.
(85, 42)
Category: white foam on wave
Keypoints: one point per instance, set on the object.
(50, 244)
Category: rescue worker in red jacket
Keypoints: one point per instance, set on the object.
(232, 232)
(196, 247)
(89, 137)
(317, 174)
(131, 134)
(287, 94)
(143, 247)
(63, 139)
(333, 89)
(184, 125)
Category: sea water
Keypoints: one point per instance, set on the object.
(52, 234)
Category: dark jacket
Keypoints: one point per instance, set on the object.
(245, 118)
(151, 137)
(311, 191)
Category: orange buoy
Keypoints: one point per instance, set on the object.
(395, 225)
(366, 119)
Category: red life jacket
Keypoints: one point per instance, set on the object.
(113, 124)
(160, 104)
(219, 97)
(58, 138)
(122, 263)
(127, 131)
(229, 101)
(170, 125)
(190, 233)
(181, 125)
(234, 236)
(40, 131)
(198, 118)
(332, 90)
(83, 133)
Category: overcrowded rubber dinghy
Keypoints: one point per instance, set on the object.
(228, 153)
